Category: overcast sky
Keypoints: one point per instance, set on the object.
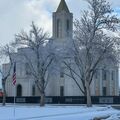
(16, 15)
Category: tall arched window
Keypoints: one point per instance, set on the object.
(19, 90)
(59, 28)
(68, 25)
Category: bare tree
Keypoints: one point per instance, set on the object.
(6, 52)
(42, 57)
(92, 46)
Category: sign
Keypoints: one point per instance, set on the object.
(106, 100)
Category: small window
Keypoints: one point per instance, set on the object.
(27, 69)
(113, 75)
(104, 91)
(19, 90)
(96, 74)
(62, 72)
(33, 90)
(104, 74)
(61, 91)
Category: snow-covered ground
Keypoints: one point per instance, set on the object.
(49, 112)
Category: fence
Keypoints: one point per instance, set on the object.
(65, 100)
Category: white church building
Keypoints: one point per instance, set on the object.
(105, 83)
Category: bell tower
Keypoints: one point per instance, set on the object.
(62, 22)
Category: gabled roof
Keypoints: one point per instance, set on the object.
(62, 6)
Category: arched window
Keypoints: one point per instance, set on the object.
(67, 27)
(59, 28)
(19, 90)
(33, 90)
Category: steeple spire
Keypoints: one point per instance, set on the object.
(62, 22)
(62, 6)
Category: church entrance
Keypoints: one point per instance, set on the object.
(19, 90)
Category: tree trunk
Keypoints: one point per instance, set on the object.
(42, 100)
(4, 92)
(89, 102)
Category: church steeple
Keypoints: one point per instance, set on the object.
(62, 6)
(62, 22)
